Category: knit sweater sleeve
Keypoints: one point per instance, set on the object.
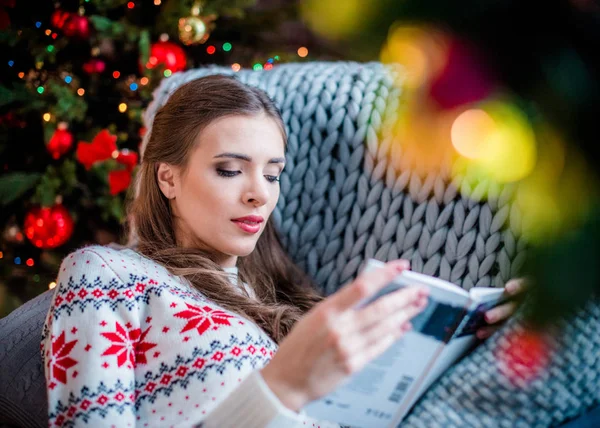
(86, 346)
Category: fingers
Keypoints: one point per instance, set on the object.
(515, 286)
(377, 342)
(485, 332)
(410, 300)
(500, 313)
(366, 284)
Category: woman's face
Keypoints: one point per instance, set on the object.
(223, 199)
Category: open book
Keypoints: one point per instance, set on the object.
(383, 392)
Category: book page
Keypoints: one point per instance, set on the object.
(464, 338)
(383, 391)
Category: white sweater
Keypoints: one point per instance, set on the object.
(128, 344)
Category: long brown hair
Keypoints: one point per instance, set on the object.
(283, 292)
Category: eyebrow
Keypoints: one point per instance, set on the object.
(247, 158)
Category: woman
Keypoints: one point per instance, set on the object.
(184, 330)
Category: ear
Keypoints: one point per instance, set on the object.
(165, 175)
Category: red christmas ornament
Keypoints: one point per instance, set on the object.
(60, 143)
(168, 53)
(77, 27)
(48, 227)
(119, 181)
(101, 148)
(127, 158)
(59, 18)
(94, 65)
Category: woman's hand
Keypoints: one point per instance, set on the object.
(335, 339)
(496, 316)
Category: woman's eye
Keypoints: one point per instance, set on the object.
(272, 178)
(227, 173)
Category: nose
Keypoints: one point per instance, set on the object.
(257, 192)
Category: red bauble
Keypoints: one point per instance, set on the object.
(48, 227)
(77, 27)
(59, 18)
(60, 143)
(168, 53)
(94, 65)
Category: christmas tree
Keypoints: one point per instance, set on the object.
(77, 76)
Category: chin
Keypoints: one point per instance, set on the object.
(241, 250)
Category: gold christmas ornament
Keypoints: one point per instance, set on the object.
(195, 29)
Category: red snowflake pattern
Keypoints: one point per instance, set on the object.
(60, 360)
(128, 345)
(203, 318)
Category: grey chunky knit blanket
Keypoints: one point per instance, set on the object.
(351, 191)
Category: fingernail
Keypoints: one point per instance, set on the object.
(490, 318)
(420, 302)
(402, 265)
(423, 292)
(511, 286)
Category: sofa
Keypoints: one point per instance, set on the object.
(350, 192)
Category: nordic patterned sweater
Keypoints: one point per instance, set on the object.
(128, 344)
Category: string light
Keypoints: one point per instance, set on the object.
(276, 57)
(48, 32)
(50, 48)
(257, 67)
(11, 63)
(133, 86)
(227, 47)
(122, 107)
(21, 75)
(235, 67)
(302, 52)
(80, 92)
(1, 255)
(157, 2)
(211, 50)
(144, 81)
(17, 260)
(47, 117)
(54, 35)
(29, 262)
(51, 285)
(38, 24)
(131, 5)
(167, 73)
(116, 74)
(268, 66)
(40, 89)
(68, 79)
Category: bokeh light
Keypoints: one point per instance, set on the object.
(302, 52)
(235, 67)
(422, 52)
(338, 19)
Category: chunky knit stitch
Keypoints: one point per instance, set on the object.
(126, 343)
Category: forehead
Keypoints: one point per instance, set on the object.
(254, 135)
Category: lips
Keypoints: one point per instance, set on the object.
(249, 224)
